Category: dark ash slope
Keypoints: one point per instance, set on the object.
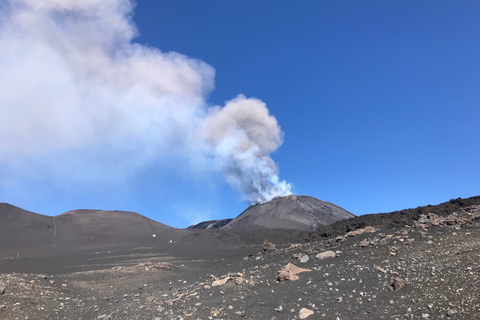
(25, 232)
(24, 229)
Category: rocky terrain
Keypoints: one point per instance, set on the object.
(425, 268)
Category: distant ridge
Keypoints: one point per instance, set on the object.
(211, 224)
(25, 231)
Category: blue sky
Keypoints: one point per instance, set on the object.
(378, 101)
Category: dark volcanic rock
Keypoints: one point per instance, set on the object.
(290, 212)
(392, 220)
(211, 224)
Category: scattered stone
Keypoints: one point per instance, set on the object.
(355, 232)
(268, 246)
(378, 268)
(30, 285)
(451, 312)
(3, 306)
(221, 282)
(297, 256)
(364, 243)
(171, 302)
(2, 288)
(304, 258)
(305, 313)
(326, 255)
(52, 281)
(397, 284)
(289, 272)
(105, 317)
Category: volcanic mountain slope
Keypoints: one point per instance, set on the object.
(393, 219)
(427, 268)
(211, 224)
(88, 227)
(23, 231)
(291, 212)
(22, 228)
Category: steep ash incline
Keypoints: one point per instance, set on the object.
(394, 219)
(292, 212)
(22, 228)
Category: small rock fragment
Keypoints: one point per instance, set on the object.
(397, 284)
(221, 282)
(378, 268)
(355, 232)
(304, 258)
(451, 312)
(305, 313)
(364, 243)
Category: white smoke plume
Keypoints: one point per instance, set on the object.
(75, 86)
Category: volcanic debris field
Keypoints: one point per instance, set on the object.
(417, 264)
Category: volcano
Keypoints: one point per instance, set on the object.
(292, 212)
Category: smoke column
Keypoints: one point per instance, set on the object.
(75, 86)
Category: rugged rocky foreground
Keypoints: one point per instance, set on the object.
(427, 269)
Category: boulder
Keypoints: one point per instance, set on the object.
(268, 246)
(326, 255)
(289, 272)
